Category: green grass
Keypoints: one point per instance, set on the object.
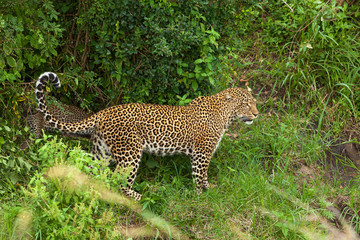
(284, 177)
(245, 171)
(259, 188)
(270, 180)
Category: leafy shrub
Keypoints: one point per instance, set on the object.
(14, 164)
(62, 202)
(51, 202)
(113, 51)
(149, 51)
(29, 36)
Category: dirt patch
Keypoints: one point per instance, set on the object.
(343, 160)
(341, 163)
(307, 172)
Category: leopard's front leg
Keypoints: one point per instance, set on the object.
(200, 164)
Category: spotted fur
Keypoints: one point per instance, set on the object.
(124, 132)
(61, 111)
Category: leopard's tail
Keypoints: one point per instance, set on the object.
(84, 127)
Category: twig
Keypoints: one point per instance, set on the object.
(288, 6)
(85, 53)
(34, 164)
(81, 100)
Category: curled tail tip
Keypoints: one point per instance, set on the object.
(49, 76)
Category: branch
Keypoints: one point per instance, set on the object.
(288, 5)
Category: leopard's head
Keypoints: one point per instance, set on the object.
(244, 104)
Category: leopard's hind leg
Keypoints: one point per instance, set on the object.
(101, 150)
(127, 155)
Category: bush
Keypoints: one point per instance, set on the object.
(112, 52)
(15, 165)
(146, 51)
(65, 199)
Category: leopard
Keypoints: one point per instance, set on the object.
(124, 132)
(63, 112)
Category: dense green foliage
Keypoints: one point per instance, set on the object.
(301, 58)
(148, 51)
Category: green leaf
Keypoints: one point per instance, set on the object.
(202, 27)
(13, 178)
(179, 71)
(19, 65)
(53, 51)
(231, 169)
(197, 61)
(211, 80)
(2, 63)
(11, 61)
(7, 49)
(2, 141)
(11, 163)
(194, 85)
(27, 165)
(68, 198)
(209, 59)
(198, 69)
